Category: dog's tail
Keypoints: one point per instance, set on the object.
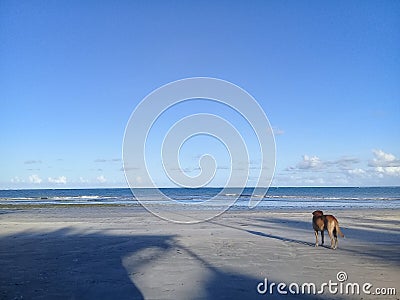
(338, 230)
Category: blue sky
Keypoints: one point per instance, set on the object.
(326, 74)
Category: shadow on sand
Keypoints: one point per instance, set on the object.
(232, 285)
(71, 264)
(377, 242)
(66, 264)
(267, 235)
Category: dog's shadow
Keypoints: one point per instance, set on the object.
(267, 235)
(281, 238)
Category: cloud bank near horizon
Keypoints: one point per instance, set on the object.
(383, 168)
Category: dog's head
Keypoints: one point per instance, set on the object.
(318, 213)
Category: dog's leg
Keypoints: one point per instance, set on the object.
(330, 232)
(316, 238)
(322, 236)
(336, 239)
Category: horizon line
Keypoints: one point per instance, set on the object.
(213, 187)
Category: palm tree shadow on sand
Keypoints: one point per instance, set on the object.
(222, 284)
(66, 264)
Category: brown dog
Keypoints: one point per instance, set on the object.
(323, 222)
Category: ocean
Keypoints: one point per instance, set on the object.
(276, 198)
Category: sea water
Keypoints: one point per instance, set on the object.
(275, 198)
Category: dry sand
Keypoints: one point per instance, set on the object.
(126, 253)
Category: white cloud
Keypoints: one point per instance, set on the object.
(382, 169)
(305, 179)
(385, 163)
(357, 171)
(345, 163)
(16, 179)
(382, 159)
(101, 179)
(35, 179)
(308, 163)
(314, 163)
(59, 180)
(83, 180)
(314, 181)
(391, 171)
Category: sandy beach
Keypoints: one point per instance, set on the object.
(124, 253)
